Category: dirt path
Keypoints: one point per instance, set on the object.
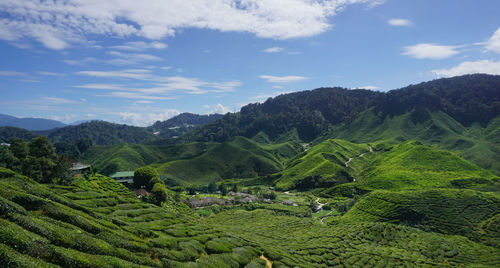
(269, 264)
(327, 215)
(361, 155)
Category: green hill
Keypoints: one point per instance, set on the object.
(238, 158)
(468, 213)
(125, 157)
(412, 165)
(99, 223)
(321, 166)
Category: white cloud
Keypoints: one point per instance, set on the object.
(56, 100)
(220, 109)
(264, 96)
(470, 67)
(273, 50)
(282, 79)
(163, 87)
(49, 73)
(11, 73)
(56, 24)
(146, 119)
(140, 46)
(63, 118)
(493, 43)
(399, 22)
(134, 57)
(430, 51)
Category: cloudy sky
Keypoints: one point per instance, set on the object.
(136, 62)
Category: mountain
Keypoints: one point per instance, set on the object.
(459, 114)
(102, 133)
(181, 124)
(7, 134)
(33, 124)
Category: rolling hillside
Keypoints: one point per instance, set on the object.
(237, 158)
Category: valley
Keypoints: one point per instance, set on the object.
(323, 178)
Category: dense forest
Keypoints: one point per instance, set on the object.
(468, 99)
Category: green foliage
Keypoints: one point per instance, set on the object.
(238, 158)
(321, 166)
(143, 176)
(159, 193)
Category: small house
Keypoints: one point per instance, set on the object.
(79, 168)
(125, 177)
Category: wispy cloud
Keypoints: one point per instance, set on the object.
(430, 51)
(140, 46)
(49, 73)
(273, 50)
(493, 44)
(158, 87)
(146, 119)
(283, 79)
(470, 67)
(264, 96)
(11, 73)
(58, 24)
(399, 22)
(56, 100)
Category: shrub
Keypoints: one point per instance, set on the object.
(143, 175)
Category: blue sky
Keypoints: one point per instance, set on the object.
(129, 62)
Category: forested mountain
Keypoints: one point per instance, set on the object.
(181, 124)
(33, 124)
(468, 99)
(102, 133)
(7, 134)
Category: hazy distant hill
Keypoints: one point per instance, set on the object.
(32, 124)
(181, 124)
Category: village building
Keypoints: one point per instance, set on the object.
(79, 168)
(125, 177)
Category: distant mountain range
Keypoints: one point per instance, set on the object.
(100, 132)
(32, 124)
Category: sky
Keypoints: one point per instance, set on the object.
(136, 62)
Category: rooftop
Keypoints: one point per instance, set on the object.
(122, 174)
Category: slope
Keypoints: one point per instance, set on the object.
(32, 124)
(321, 166)
(411, 165)
(468, 213)
(237, 158)
(99, 223)
(126, 157)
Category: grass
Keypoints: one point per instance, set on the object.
(326, 159)
(238, 158)
(78, 226)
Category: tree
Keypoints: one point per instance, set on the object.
(191, 190)
(143, 175)
(7, 159)
(223, 189)
(42, 147)
(19, 148)
(154, 180)
(212, 187)
(159, 193)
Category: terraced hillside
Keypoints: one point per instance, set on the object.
(238, 158)
(411, 165)
(469, 213)
(321, 166)
(301, 242)
(125, 157)
(476, 143)
(98, 223)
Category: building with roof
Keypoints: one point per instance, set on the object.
(79, 168)
(126, 177)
